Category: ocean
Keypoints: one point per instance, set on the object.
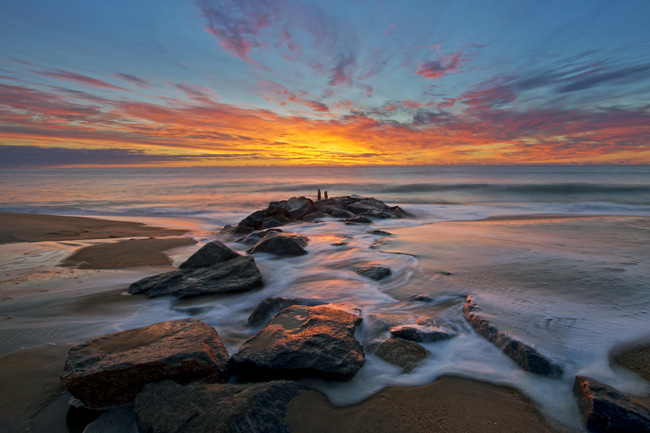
(574, 287)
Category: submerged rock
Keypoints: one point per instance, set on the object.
(118, 420)
(255, 237)
(303, 341)
(374, 272)
(112, 369)
(606, 410)
(379, 233)
(167, 407)
(528, 358)
(402, 353)
(233, 276)
(270, 306)
(209, 254)
(281, 244)
(421, 333)
(358, 220)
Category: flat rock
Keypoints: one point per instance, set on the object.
(112, 369)
(359, 219)
(606, 410)
(281, 244)
(402, 353)
(379, 233)
(374, 272)
(233, 276)
(272, 305)
(303, 341)
(209, 254)
(167, 407)
(421, 333)
(526, 356)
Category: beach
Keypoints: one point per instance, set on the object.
(47, 309)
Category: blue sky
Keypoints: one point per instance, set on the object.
(327, 82)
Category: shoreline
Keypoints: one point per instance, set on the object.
(460, 400)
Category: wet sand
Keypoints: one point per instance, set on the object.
(69, 307)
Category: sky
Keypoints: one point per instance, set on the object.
(339, 82)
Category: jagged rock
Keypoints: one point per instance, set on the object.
(421, 333)
(270, 306)
(229, 230)
(255, 237)
(337, 212)
(526, 356)
(233, 276)
(167, 407)
(254, 220)
(281, 244)
(402, 353)
(209, 254)
(270, 222)
(605, 410)
(303, 341)
(112, 369)
(118, 420)
(358, 220)
(379, 233)
(298, 207)
(374, 272)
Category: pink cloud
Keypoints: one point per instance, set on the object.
(446, 65)
(78, 78)
(134, 80)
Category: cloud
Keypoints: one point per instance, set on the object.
(134, 80)
(78, 78)
(437, 68)
(284, 95)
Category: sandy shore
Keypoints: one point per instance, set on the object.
(17, 227)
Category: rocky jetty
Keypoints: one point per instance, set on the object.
(280, 244)
(232, 276)
(374, 272)
(272, 305)
(526, 356)
(212, 253)
(402, 353)
(304, 209)
(113, 369)
(605, 410)
(167, 407)
(303, 341)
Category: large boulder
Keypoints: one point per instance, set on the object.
(272, 305)
(303, 341)
(525, 355)
(298, 207)
(167, 407)
(233, 276)
(374, 272)
(209, 254)
(113, 369)
(281, 244)
(605, 410)
(402, 353)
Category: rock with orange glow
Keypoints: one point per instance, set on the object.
(528, 357)
(272, 305)
(209, 254)
(167, 407)
(606, 410)
(232, 276)
(303, 341)
(113, 369)
(281, 244)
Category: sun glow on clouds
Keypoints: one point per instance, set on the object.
(317, 85)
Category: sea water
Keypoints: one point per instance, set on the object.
(574, 292)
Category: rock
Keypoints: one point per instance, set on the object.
(374, 272)
(378, 243)
(379, 233)
(604, 409)
(254, 220)
(310, 217)
(402, 353)
(167, 407)
(270, 222)
(303, 341)
(358, 220)
(270, 306)
(421, 333)
(112, 369)
(298, 207)
(118, 420)
(209, 254)
(234, 276)
(337, 212)
(526, 356)
(418, 298)
(255, 237)
(229, 230)
(281, 244)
